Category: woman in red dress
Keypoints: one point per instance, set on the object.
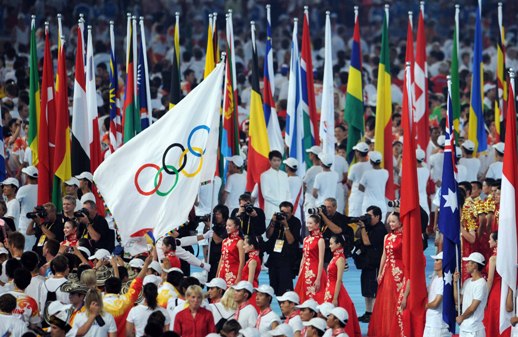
(252, 266)
(70, 232)
(169, 249)
(232, 260)
(494, 284)
(387, 316)
(312, 276)
(335, 291)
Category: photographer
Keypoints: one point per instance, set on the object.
(371, 237)
(96, 226)
(46, 224)
(252, 218)
(335, 223)
(283, 246)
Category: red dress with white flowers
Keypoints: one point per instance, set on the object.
(230, 259)
(344, 301)
(309, 270)
(252, 256)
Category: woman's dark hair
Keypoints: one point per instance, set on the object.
(223, 210)
(153, 329)
(175, 277)
(186, 282)
(231, 325)
(236, 221)
(494, 235)
(170, 241)
(251, 240)
(156, 317)
(316, 218)
(338, 239)
(150, 292)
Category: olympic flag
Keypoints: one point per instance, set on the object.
(151, 182)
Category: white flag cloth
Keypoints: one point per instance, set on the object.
(327, 119)
(151, 183)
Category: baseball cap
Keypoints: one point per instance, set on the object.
(3, 251)
(152, 279)
(326, 158)
(136, 263)
(289, 296)
(237, 160)
(315, 149)
(282, 330)
(309, 304)
(72, 181)
(11, 181)
(325, 308)
(488, 86)
(265, 289)
(201, 277)
(318, 323)
(244, 285)
(375, 157)
(84, 250)
(475, 257)
(437, 256)
(31, 171)
(441, 140)
(340, 314)
(361, 147)
(86, 175)
(249, 332)
(419, 154)
(458, 152)
(217, 282)
(499, 147)
(100, 254)
(291, 162)
(468, 145)
(155, 266)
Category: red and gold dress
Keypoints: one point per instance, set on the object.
(492, 311)
(353, 326)
(230, 259)
(469, 220)
(387, 316)
(308, 273)
(252, 256)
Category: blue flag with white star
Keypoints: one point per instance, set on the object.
(449, 220)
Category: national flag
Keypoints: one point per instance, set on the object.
(209, 53)
(80, 144)
(477, 130)
(327, 112)
(311, 127)
(143, 89)
(46, 126)
(294, 114)
(507, 228)
(383, 132)
(175, 91)
(215, 42)
(130, 121)
(34, 96)
(421, 111)
(449, 218)
(164, 165)
(270, 114)
(454, 74)
(3, 172)
(353, 111)
(115, 104)
(258, 144)
(501, 102)
(94, 138)
(413, 258)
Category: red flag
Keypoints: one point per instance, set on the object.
(413, 258)
(421, 85)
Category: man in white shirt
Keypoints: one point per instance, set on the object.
(495, 169)
(274, 185)
(373, 183)
(326, 181)
(236, 182)
(423, 174)
(435, 326)
(27, 195)
(10, 325)
(267, 319)
(245, 314)
(436, 162)
(340, 166)
(295, 183)
(315, 327)
(361, 151)
(287, 302)
(337, 320)
(462, 171)
(473, 297)
(86, 179)
(473, 163)
(311, 173)
(9, 188)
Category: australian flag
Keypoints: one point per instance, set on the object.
(449, 220)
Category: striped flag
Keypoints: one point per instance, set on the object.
(507, 229)
(34, 96)
(294, 114)
(258, 144)
(477, 130)
(94, 138)
(353, 112)
(501, 102)
(454, 74)
(270, 114)
(327, 113)
(383, 132)
(115, 104)
(143, 89)
(215, 42)
(175, 91)
(449, 218)
(421, 116)
(311, 127)
(209, 53)
(130, 122)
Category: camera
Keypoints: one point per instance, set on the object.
(279, 216)
(202, 218)
(366, 219)
(314, 210)
(81, 213)
(393, 203)
(39, 212)
(249, 208)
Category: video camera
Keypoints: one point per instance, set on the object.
(39, 212)
(249, 208)
(314, 210)
(366, 219)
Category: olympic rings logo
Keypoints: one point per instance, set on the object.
(171, 170)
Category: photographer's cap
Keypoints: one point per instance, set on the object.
(136, 263)
(244, 285)
(290, 296)
(11, 181)
(100, 254)
(326, 159)
(31, 171)
(237, 160)
(291, 162)
(86, 175)
(361, 147)
(375, 157)
(72, 181)
(217, 282)
(315, 149)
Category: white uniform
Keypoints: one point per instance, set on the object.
(341, 167)
(27, 195)
(375, 183)
(462, 173)
(235, 186)
(356, 196)
(13, 211)
(208, 196)
(436, 165)
(473, 325)
(423, 174)
(247, 317)
(435, 326)
(309, 180)
(495, 170)
(325, 184)
(474, 167)
(296, 191)
(275, 189)
(264, 322)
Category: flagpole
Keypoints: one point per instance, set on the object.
(146, 70)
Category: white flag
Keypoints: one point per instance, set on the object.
(327, 118)
(151, 183)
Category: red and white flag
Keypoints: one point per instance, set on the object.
(421, 85)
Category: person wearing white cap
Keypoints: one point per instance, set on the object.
(373, 183)
(308, 311)
(337, 320)
(71, 188)
(469, 160)
(287, 302)
(245, 314)
(436, 161)
(423, 174)
(325, 183)
(274, 185)
(462, 171)
(221, 301)
(9, 188)
(283, 330)
(86, 180)
(309, 176)
(236, 182)
(473, 297)
(361, 151)
(27, 196)
(296, 184)
(267, 319)
(435, 326)
(495, 169)
(316, 327)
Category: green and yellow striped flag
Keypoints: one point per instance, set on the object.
(34, 95)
